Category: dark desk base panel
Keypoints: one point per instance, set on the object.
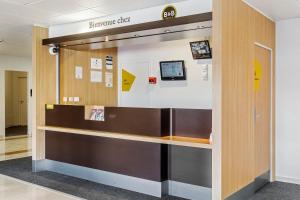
(150, 161)
(138, 159)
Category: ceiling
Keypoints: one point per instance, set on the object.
(18, 16)
(277, 9)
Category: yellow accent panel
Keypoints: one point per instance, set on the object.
(257, 74)
(127, 80)
(49, 106)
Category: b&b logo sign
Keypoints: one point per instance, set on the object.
(169, 12)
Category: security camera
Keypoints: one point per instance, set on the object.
(53, 50)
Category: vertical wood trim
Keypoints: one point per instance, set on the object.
(43, 72)
(217, 101)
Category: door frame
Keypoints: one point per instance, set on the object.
(272, 111)
(29, 98)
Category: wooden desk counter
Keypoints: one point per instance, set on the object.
(170, 140)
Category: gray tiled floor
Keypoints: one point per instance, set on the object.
(21, 169)
(278, 191)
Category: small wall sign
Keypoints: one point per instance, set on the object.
(152, 80)
(127, 80)
(169, 12)
(257, 75)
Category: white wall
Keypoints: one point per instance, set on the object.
(288, 101)
(143, 61)
(13, 64)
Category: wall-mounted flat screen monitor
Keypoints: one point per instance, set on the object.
(172, 70)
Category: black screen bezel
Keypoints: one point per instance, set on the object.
(175, 78)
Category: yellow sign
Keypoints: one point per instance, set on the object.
(49, 106)
(257, 74)
(127, 80)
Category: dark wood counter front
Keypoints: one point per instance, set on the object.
(132, 158)
(194, 123)
(136, 142)
(138, 121)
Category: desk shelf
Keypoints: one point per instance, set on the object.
(170, 140)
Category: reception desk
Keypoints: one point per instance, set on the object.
(147, 150)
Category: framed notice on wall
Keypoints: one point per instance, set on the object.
(96, 63)
(108, 79)
(96, 76)
(201, 50)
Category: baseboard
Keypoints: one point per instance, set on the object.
(98, 176)
(248, 191)
(188, 191)
(157, 189)
(288, 180)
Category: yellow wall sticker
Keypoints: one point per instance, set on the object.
(49, 106)
(257, 74)
(127, 80)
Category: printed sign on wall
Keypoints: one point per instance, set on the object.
(109, 62)
(140, 16)
(108, 79)
(95, 113)
(78, 72)
(127, 80)
(96, 63)
(96, 76)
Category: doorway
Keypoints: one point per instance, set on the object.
(16, 103)
(263, 110)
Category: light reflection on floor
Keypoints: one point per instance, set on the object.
(14, 189)
(15, 147)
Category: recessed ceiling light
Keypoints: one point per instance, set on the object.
(167, 31)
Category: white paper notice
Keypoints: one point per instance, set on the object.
(109, 66)
(96, 63)
(96, 76)
(78, 72)
(109, 79)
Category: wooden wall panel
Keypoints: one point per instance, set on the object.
(236, 29)
(89, 93)
(44, 90)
